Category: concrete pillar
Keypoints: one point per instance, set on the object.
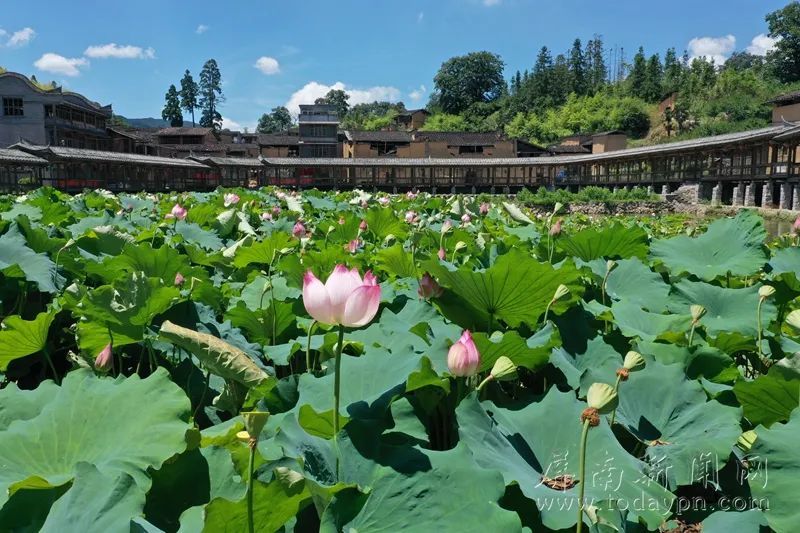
(491, 190)
(433, 191)
(394, 190)
(615, 189)
(750, 195)
(716, 194)
(786, 196)
(766, 195)
(664, 190)
(738, 194)
(474, 190)
(453, 189)
(796, 199)
(649, 189)
(506, 190)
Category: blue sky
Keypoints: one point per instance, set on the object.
(276, 52)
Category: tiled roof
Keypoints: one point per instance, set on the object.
(568, 149)
(183, 130)
(787, 98)
(80, 154)
(252, 162)
(17, 156)
(460, 138)
(267, 139)
(134, 133)
(378, 136)
(409, 112)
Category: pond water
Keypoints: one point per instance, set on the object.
(777, 226)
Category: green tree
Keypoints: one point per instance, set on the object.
(597, 72)
(577, 69)
(673, 71)
(668, 118)
(637, 79)
(561, 81)
(189, 92)
(784, 25)
(444, 122)
(337, 98)
(654, 79)
(464, 80)
(172, 108)
(279, 119)
(539, 90)
(742, 61)
(211, 95)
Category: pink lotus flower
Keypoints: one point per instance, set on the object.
(429, 288)
(266, 216)
(230, 199)
(463, 358)
(555, 229)
(179, 279)
(104, 360)
(276, 211)
(177, 212)
(796, 226)
(280, 195)
(341, 221)
(353, 246)
(484, 208)
(411, 195)
(384, 201)
(364, 204)
(411, 217)
(363, 226)
(465, 219)
(344, 299)
(447, 226)
(299, 230)
(441, 253)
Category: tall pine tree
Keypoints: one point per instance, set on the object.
(211, 95)
(637, 79)
(539, 89)
(596, 72)
(577, 69)
(189, 90)
(172, 108)
(654, 79)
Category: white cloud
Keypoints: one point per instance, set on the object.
(230, 124)
(58, 64)
(268, 65)
(21, 37)
(716, 48)
(761, 44)
(490, 3)
(116, 51)
(201, 29)
(3, 32)
(313, 90)
(417, 94)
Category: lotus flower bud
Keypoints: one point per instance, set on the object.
(446, 226)
(698, 312)
(557, 209)
(266, 217)
(230, 199)
(276, 211)
(299, 230)
(179, 279)
(353, 246)
(411, 195)
(177, 212)
(504, 369)
(344, 299)
(384, 201)
(603, 397)
(765, 291)
(466, 218)
(442, 254)
(363, 226)
(562, 291)
(460, 245)
(410, 217)
(796, 226)
(104, 360)
(254, 422)
(633, 361)
(555, 229)
(463, 357)
(484, 208)
(429, 288)
(793, 320)
(746, 440)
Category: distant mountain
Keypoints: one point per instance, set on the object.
(147, 122)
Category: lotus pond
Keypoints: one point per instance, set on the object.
(272, 361)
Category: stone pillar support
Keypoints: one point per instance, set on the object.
(786, 196)
(766, 195)
(716, 194)
(664, 189)
(750, 195)
(796, 198)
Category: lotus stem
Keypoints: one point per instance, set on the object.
(616, 389)
(51, 365)
(308, 346)
(484, 382)
(758, 326)
(547, 312)
(582, 473)
(251, 468)
(336, 384)
(691, 333)
(202, 396)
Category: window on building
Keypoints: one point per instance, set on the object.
(12, 107)
(470, 149)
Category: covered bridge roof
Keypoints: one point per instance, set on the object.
(80, 154)
(9, 155)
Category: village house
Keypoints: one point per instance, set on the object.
(46, 114)
(411, 119)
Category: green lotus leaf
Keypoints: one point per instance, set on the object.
(220, 357)
(633, 282)
(535, 445)
(612, 242)
(774, 474)
(17, 260)
(264, 252)
(101, 421)
(633, 321)
(769, 398)
(516, 290)
(727, 310)
(19, 337)
(597, 363)
(533, 353)
(688, 438)
(396, 261)
(733, 245)
(382, 221)
(516, 213)
(194, 234)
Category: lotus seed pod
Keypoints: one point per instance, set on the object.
(611, 265)
(698, 312)
(461, 245)
(765, 291)
(793, 320)
(389, 239)
(746, 440)
(633, 361)
(504, 369)
(561, 292)
(254, 422)
(601, 396)
(557, 208)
